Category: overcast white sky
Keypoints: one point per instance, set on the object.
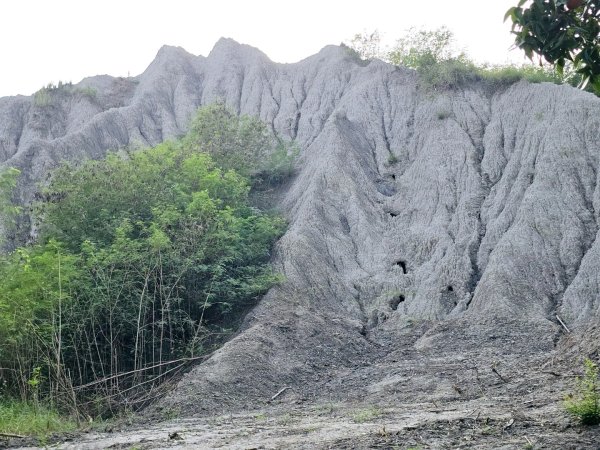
(44, 41)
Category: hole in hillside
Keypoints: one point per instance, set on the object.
(402, 265)
(386, 187)
(392, 214)
(393, 177)
(395, 301)
(450, 289)
(345, 224)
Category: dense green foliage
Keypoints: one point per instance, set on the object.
(441, 66)
(241, 143)
(8, 211)
(585, 404)
(561, 32)
(142, 259)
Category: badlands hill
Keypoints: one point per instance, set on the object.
(435, 237)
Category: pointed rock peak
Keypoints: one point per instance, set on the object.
(229, 48)
(167, 59)
(329, 53)
(225, 43)
(170, 52)
(332, 51)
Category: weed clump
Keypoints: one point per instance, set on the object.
(585, 403)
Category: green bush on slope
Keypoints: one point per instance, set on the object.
(142, 259)
(585, 403)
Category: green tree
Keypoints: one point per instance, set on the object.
(421, 47)
(367, 45)
(561, 32)
(434, 56)
(34, 282)
(242, 143)
(142, 259)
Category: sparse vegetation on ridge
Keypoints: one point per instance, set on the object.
(442, 66)
(46, 95)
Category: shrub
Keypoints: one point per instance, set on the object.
(142, 259)
(42, 98)
(242, 143)
(442, 66)
(367, 415)
(392, 160)
(87, 91)
(8, 211)
(585, 403)
(433, 55)
(506, 75)
(442, 115)
(365, 46)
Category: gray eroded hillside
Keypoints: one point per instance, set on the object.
(475, 207)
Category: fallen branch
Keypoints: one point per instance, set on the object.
(278, 394)
(499, 376)
(473, 412)
(10, 435)
(556, 374)
(563, 324)
(134, 387)
(118, 375)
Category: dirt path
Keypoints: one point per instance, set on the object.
(472, 424)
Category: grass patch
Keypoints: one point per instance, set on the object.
(585, 403)
(28, 419)
(392, 160)
(367, 414)
(261, 417)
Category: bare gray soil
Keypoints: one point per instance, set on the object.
(417, 392)
(435, 237)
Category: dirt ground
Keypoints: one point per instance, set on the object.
(442, 386)
(357, 426)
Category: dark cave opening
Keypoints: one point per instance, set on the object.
(402, 265)
(395, 301)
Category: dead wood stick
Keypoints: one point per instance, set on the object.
(563, 324)
(278, 394)
(473, 412)
(499, 376)
(137, 385)
(10, 435)
(556, 374)
(118, 375)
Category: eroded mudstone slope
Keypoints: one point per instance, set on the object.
(476, 205)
